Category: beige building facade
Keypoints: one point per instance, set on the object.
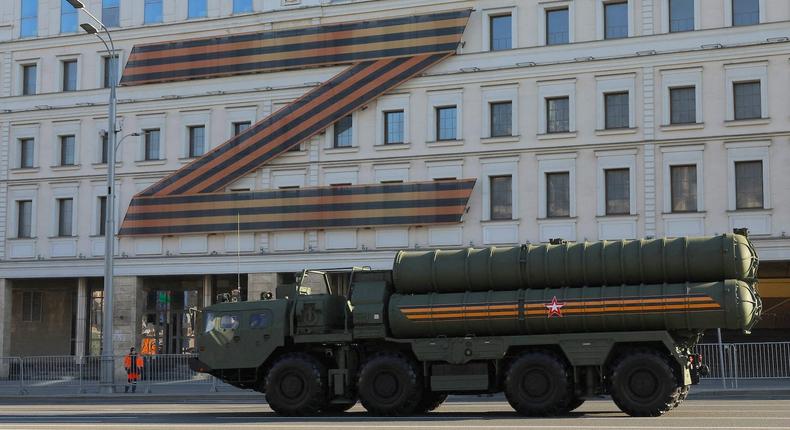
(580, 120)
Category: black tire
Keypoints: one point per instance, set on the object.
(296, 385)
(538, 383)
(338, 408)
(644, 383)
(430, 401)
(390, 384)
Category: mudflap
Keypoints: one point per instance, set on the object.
(198, 366)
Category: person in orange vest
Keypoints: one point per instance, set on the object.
(133, 364)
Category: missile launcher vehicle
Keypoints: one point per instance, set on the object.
(549, 325)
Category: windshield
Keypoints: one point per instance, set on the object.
(313, 282)
(208, 318)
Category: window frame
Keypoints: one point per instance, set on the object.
(390, 103)
(106, 19)
(386, 126)
(552, 90)
(735, 86)
(146, 149)
(500, 166)
(66, 10)
(610, 160)
(62, 145)
(547, 14)
(491, 41)
(548, 6)
(606, 172)
(695, 18)
(677, 156)
(491, 203)
(101, 215)
(18, 203)
(741, 73)
(64, 227)
(549, 194)
(748, 151)
(24, 82)
(197, 14)
(337, 135)
(548, 105)
(192, 141)
(619, 125)
(729, 14)
(438, 115)
(603, 5)
(32, 17)
(68, 65)
(485, 24)
(492, 115)
(22, 153)
(672, 194)
(148, 3)
(556, 163)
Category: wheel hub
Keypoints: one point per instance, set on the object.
(292, 386)
(535, 383)
(643, 383)
(386, 385)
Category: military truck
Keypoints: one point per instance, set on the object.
(549, 325)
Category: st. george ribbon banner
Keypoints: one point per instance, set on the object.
(380, 54)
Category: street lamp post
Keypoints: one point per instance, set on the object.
(107, 363)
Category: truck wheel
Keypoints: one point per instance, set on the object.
(390, 384)
(538, 384)
(644, 384)
(296, 385)
(338, 408)
(430, 401)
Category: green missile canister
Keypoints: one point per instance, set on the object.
(629, 262)
(731, 304)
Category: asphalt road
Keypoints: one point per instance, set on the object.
(748, 412)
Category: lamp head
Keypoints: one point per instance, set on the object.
(77, 4)
(88, 28)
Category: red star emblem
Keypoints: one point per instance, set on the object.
(555, 308)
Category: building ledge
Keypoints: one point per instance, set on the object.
(681, 127)
(142, 163)
(392, 146)
(24, 170)
(443, 143)
(66, 168)
(549, 136)
(616, 131)
(746, 122)
(500, 139)
(342, 150)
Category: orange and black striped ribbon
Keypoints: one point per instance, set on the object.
(570, 308)
(323, 207)
(383, 54)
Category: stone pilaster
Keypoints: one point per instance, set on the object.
(127, 308)
(82, 308)
(258, 283)
(649, 149)
(6, 302)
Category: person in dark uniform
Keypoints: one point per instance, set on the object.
(133, 364)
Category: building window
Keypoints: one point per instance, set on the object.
(749, 184)
(343, 132)
(29, 18)
(501, 197)
(24, 219)
(501, 32)
(153, 12)
(617, 112)
(557, 26)
(683, 188)
(109, 64)
(102, 219)
(197, 140)
(558, 202)
(393, 127)
(239, 127)
(65, 217)
(557, 115)
(681, 15)
(745, 12)
(111, 13)
(242, 6)
(26, 152)
(682, 105)
(501, 119)
(29, 72)
(196, 9)
(446, 123)
(67, 150)
(747, 100)
(31, 306)
(68, 17)
(151, 140)
(104, 143)
(618, 189)
(69, 75)
(615, 19)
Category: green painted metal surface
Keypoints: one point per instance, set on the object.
(730, 304)
(629, 262)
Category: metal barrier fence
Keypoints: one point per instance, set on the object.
(753, 361)
(728, 362)
(70, 374)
